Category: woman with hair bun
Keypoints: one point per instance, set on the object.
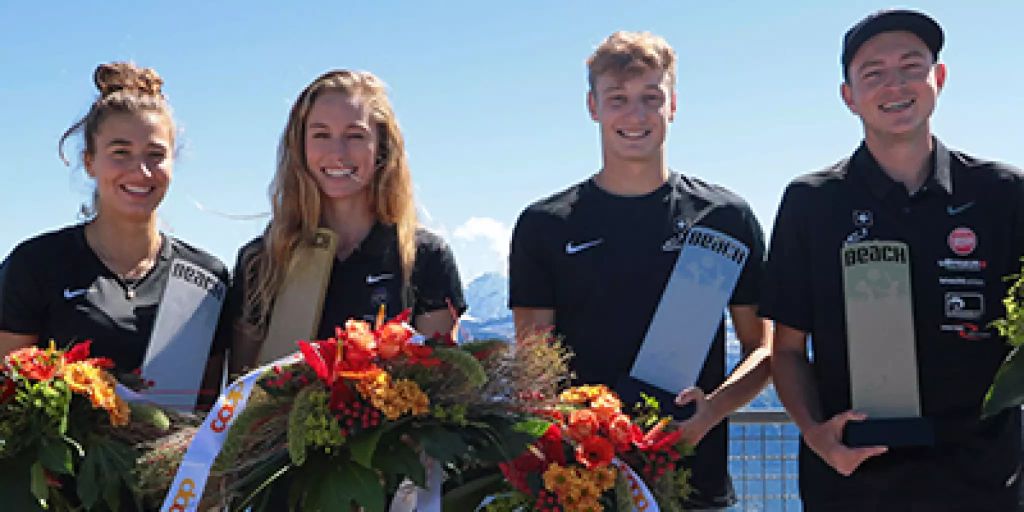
(342, 167)
(109, 278)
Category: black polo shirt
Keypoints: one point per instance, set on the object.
(965, 230)
(599, 261)
(54, 286)
(372, 275)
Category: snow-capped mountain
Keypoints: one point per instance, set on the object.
(488, 315)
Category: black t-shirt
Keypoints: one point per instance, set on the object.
(372, 275)
(965, 230)
(599, 261)
(54, 286)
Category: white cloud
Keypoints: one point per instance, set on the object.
(496, 233)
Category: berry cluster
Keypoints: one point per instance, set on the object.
(659, 463)
(547, 502)
(356, 416)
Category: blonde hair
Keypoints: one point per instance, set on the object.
(295, 197)
(627, 54)
(124, 88)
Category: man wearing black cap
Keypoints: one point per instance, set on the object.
(963, 221)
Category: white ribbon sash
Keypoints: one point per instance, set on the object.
(187, 487)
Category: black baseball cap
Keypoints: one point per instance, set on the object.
(891, 20)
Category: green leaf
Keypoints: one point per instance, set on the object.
(363, 445)
(470, 494)
(86, 481)
(398, 460)
(533, 426)
(55, 456)
(337, 486)
(1008, 385)
(105, 472)
(440, 443)
(38, 484)
(16, 482)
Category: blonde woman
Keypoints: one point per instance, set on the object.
(342, 166)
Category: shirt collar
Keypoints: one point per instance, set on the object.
(379, 240)
(864, 166)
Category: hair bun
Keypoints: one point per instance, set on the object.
(117, 76)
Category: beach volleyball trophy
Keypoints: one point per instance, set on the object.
(881, 347)
(298, 306)
(688, 317)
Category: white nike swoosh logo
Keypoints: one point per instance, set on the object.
(573, 249)
(70, 294)
(379, 278)
(956, 210)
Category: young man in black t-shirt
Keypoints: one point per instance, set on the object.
(963, 223)
(593, 260)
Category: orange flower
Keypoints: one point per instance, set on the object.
(392, 340)
(623, 432)
(359, 335)
(606, 406)
(85, 379)
(583, 423)
(595, 452)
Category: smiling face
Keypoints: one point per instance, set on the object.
(634, 112)
(893, 85)
(340, 145)
(132, 163)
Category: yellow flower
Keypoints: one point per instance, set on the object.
(583, 394)
(85, 379)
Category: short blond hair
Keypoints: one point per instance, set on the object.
(627, 54)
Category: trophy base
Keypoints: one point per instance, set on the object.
(892, 432)
(629, 390)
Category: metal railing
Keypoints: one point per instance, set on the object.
(763, 445)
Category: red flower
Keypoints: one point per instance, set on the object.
(657, 439)
(33, 363)
(341, 394)
(595, 452)
(321, 356)
(551, 445)
(78, 352)
(7, 389)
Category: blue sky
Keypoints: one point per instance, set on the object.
(490, 97)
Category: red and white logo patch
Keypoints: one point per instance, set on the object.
(962, 241)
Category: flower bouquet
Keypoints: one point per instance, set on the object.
(1007, 388)
(373, 413)
(593, 457)
(67, 439)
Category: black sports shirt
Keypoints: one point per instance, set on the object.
(372, 276)
(598, 260)
(965, 231)
(54, 286)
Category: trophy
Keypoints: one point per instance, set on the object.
(687, 318)
(298, 306)
(881, 347)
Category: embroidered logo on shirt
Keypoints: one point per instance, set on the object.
(571, 248)
(962, 241)
(863, 218)
(957, 210)
(371, 279)
(70, 294)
